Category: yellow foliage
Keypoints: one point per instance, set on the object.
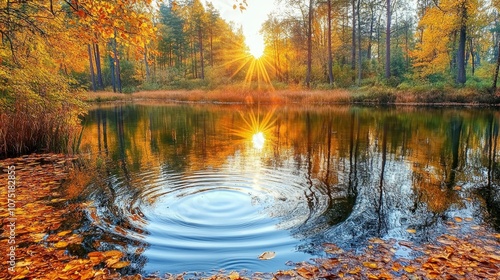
(437, 32)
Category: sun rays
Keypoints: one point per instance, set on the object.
(253, 62)
(256, 128)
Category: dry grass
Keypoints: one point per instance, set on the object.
(229, 96)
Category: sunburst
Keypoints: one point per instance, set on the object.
(256, 129)
(256, 62)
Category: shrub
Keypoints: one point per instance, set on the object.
(39, 111)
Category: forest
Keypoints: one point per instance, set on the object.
(53, 50)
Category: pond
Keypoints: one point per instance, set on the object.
(203, 188)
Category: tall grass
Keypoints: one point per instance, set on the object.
(28, 128)
(229, 94)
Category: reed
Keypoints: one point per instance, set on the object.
(28, 127)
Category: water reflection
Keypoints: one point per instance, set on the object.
(193, 188)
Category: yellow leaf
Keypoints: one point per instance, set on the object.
(63, 233)
(356, 270)
(411, 230)
(410, 269)
(37, 237)
(61, 244)
(458, 219)
(23, 263)
(371, 265)
(234, 276)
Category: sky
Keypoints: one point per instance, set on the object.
(250, 19)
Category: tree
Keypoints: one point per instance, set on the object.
(309, 42)
(388, 41)
(330, 57)
(440, 27)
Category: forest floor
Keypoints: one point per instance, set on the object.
(370, 95)
(41, 214)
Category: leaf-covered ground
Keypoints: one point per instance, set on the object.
(46, 184)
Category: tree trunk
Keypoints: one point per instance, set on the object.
(97, 55)
(370, 37)
(112, 67)
(388, 42)
(360, 59)
(91, 64)
(309, 44)
(117, 66)
(202, 63)
(473, 60)
(461, 78)
(495, 77)
(353, 47)
(330, 59)
(211, 47)
(146, 64)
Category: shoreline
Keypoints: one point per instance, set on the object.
(300, 97)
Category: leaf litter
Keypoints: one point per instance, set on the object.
(44, 253)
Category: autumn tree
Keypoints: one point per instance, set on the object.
(442, 36)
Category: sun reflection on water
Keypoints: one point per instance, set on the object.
(258, 140)
(256, 129)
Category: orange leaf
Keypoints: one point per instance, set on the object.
(61, 244)
(113, 254)
(119, 265)
(410, 269)
(307, 272)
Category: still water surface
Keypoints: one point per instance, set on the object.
(201, 188)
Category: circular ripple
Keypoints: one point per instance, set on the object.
(211, 219)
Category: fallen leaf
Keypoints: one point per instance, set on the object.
(112, 261)
(371, 265)
(331, 248)
(113, 254)
(267, 255)
(61, 244)
(308, 272)
(411, 230)
(410, 269)
(120, 264)
(23, 263)
(377, 241)
(458, 219)
(330, 264)
(37, 237)
(63, 233)
(356, 270)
